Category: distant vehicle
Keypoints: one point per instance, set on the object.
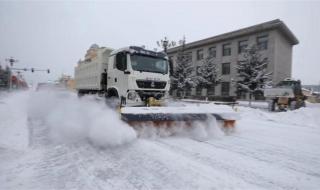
(49, 86)
(287, 94)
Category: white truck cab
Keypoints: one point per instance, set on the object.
(131, 74)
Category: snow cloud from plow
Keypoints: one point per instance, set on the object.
(70, 119)
(198, 130)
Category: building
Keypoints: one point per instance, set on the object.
(66, 81)
(273, 38)
(4, 78)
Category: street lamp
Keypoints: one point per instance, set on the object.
(165, 44)
(11, 60)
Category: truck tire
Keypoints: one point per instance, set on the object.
(293, 105)
(300, 104)
(80, 94)
(112, 98)
(271, 105)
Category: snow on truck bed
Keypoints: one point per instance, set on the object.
(267, 150)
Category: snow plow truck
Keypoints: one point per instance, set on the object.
(137, 81)
(287, 94)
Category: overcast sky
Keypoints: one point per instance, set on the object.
(57, 34)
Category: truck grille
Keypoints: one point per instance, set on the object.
(151, 84)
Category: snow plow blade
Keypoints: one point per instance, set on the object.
(171, 116)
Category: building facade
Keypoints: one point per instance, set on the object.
(273, 38)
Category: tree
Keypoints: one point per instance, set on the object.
(184, 76)
(252, 73)
(208, 74)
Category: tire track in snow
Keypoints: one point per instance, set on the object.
(273, 154)
(149, 171)
(60, 166)
(253, 171)
(138, 166)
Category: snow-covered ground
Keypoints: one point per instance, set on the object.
(254, 104)
(53, 140)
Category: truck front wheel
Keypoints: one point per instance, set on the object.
(112, 98)
(80, 94)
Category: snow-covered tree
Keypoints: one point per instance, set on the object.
(252, 72)
(184, 76)
(208, 73)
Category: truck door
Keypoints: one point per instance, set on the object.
(118, 78)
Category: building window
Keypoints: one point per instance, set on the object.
(188, 92)
(210, 90)
(262, 42)
(199, 54)
(226, 49)
(242, 46)
(199, 91)
(188, 57)
(212, 51)
(225, 68)
(225, 88)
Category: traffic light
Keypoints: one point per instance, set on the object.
(32, 69)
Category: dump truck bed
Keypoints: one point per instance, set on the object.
(88, 72)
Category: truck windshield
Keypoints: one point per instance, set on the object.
(149, 64)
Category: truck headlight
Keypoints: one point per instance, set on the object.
(132, 95)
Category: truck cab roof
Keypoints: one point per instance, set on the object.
(140, 50)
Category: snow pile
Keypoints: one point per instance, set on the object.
(306, 117)
(71, 119)
(254, 104)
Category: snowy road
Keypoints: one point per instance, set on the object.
(267, 151)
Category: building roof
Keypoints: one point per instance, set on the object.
(270, 25)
